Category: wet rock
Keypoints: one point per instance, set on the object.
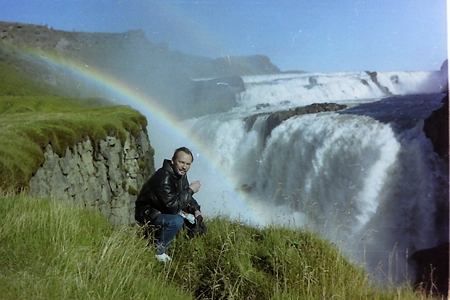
(373, 77)
(215, 95)
(436, 129)
(431, 269)
(276, 118)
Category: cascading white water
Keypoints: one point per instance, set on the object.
(363, 184)
(306, 88)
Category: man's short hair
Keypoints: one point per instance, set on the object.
(182, 149)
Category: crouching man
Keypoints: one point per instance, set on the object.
(165, 198)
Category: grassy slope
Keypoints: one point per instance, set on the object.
(31, 119)
(54, 251)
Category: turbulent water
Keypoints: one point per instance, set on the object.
(366, 178)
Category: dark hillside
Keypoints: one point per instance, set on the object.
(168, 77)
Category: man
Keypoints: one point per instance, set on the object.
(164, 196)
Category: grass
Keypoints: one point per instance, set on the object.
(34, 114)
(12, 79)
(52, 250)
(30, 123)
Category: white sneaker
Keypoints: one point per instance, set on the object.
(163, 257)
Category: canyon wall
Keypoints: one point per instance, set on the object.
(105, 176)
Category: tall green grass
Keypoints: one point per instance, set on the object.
(34, 114)
(52, 250)
(30, 123)
(14, 81)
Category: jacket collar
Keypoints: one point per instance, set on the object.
(167, 165)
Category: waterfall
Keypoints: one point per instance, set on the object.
(365, 178)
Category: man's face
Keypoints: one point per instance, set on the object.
(182, 163)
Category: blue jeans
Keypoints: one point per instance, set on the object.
(168, 227)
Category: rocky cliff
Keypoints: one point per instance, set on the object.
(436, 126)
(104, 177)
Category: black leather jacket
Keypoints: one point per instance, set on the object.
(165, 192)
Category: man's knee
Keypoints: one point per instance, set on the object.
(172, 221)
(178, 221)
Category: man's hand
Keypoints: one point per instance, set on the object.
(198, 213)
(195, 186)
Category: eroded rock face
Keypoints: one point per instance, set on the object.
(105, 177)
(276, 118)
(430, 269)
(385, 90)
(215, 95)
(436, 129)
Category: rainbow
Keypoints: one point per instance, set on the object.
(120, 92)
(158, 118)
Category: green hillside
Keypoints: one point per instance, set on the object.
(52, 250)
(15, 82)
(32, 116)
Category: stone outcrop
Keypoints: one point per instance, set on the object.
(385, 90)
(105, 176)
(436, 126)
(215, 95)
(444, 75)
(436, 129)
(431, 270)
(274, 119)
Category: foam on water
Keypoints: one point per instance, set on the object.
(307, 88)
